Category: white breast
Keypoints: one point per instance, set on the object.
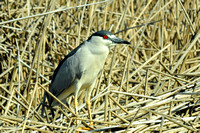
(92, 59)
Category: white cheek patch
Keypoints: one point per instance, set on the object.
(111, 36)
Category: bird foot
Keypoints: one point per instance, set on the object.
(85, 128)
(92, 124)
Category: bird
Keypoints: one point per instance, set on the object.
(80, 69)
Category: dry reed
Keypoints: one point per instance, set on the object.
(152, 85)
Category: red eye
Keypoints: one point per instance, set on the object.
(105, 37)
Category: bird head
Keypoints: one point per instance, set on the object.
(106, 38)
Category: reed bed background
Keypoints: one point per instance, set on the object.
(152, 85)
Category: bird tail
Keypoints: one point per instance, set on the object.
(43, 103)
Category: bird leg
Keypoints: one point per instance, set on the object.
(76, 108)
(87, 100)
(88, 104)
(77, 88)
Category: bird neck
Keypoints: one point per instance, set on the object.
(98, 48)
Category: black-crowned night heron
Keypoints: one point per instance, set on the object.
(80, 68)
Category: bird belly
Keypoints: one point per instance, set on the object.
(91, 71)
(88, 79)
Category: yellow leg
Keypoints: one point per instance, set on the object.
(88, 104)
(76, 108)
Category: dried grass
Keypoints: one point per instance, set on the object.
(152, 85)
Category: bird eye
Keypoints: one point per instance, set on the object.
(105, 37)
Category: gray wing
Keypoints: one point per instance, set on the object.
(65, 74)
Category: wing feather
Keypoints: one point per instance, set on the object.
(65, 74)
